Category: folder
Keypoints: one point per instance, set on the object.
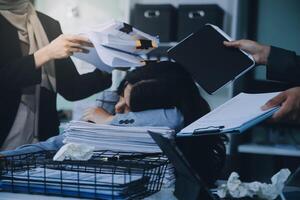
(210, 63)
(235, 116)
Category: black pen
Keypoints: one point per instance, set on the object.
(128, 157)
(209, 129)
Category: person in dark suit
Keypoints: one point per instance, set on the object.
(282, 65)
(34, 67)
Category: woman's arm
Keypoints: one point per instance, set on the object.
(62, 47)
(19, 73)
(73, 86)
(283, 65)
(171, 118)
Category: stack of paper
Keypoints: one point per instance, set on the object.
(117, 44)
(120, 139)
(114, 138)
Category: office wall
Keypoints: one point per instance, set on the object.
(229, 6)
(278, 24)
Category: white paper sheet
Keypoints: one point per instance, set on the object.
(115, 138)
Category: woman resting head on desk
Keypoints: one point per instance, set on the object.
(157, 86)
(167, 85)
(159, 94)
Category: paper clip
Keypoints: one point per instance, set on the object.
(209, 129)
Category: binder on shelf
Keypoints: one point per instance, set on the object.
(235, 116)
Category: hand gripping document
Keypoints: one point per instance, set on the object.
(235, 116)
(117, 44)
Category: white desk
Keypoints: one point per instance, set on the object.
(165, 193)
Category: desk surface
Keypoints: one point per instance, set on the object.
(165, 193)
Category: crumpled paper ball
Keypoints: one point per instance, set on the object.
(74, 151)
(237, 189)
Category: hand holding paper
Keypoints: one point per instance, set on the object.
(289, 101)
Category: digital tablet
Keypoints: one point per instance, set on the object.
(208, 60)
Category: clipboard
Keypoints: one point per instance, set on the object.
(234, 116)
(208, 60)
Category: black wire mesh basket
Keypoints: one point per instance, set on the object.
(107, 175)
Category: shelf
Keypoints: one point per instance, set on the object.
(276, 150)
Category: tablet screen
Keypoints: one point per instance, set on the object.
(209, 62)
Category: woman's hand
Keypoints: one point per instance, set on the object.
(259, 52)
(62, 47)
(289, 101)
(97, 115)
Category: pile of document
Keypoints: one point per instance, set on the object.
(120, 139)
(117, 44)
(114, 138)
(73, 183)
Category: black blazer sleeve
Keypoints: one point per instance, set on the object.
(283, 65)
(16, 71)
(19, 73)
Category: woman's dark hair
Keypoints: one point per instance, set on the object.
(166, 85)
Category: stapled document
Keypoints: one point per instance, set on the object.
(117, 44)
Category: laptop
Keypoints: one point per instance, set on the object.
(188, 183)
(210, 63)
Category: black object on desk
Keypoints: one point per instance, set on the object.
(188, 183)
